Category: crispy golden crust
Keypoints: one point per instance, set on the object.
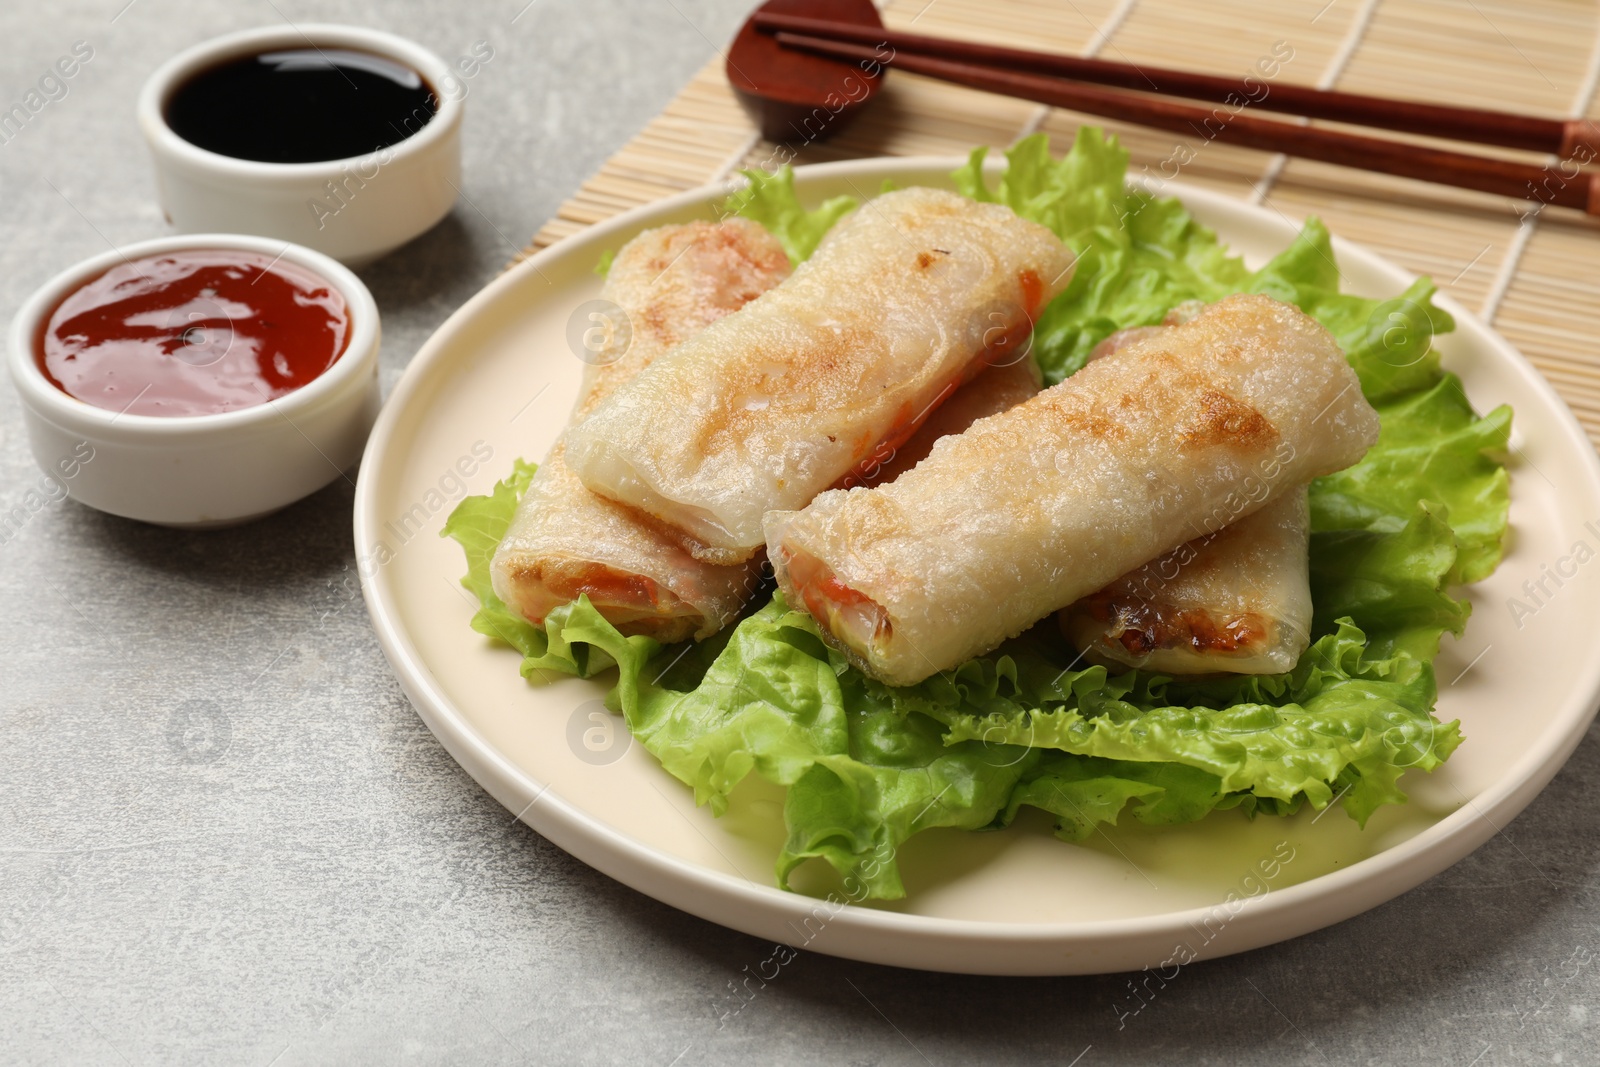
(1237, 601)
(565, 541)
(774, 404)
(1171, 438)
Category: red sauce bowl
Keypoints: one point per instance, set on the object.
(198, 380)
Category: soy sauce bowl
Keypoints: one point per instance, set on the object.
(354, 209)
(201, 470)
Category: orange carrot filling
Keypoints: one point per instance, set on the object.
(619, 596)
(848, 614)
(1032, 292)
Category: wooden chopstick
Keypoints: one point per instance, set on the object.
(1575, 189)
(1564, 138)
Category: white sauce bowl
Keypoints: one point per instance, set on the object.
(353, 209)
(201, 470)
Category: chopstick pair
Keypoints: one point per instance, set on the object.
(1077, 84)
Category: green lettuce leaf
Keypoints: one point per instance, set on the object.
(1085, 792)
(1391, 584)
(478, 524)
(1137, 256)
(867, 765)
(770, 199)
(1339, 723)
(775, 701)
(1433, 448)
(1388, 342)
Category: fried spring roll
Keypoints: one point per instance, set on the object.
(1171, 438)
(904, 301)
(565, 541)
(1237, 601)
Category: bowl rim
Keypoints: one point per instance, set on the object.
(166, 143)
(50, 402)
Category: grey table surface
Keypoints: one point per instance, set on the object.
(225, 837)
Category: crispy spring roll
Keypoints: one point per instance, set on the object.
(1237, 601)
(564, 541)
(1170, 438)
(904, 301)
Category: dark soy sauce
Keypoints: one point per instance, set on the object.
(301, 106)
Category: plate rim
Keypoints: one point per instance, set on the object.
(1262, 919)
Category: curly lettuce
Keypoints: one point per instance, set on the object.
(866, 766)
(770, 199)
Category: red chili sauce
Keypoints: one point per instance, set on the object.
(193, 332)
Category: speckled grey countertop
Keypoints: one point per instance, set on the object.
(226, 838)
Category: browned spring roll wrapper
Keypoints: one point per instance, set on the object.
(1237, 601)
(901, 303)
(564, 541)
(1171, 438)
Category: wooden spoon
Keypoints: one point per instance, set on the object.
(794, 97)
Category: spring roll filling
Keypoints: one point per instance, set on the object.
(1143, 627)
(849, 615)
(619, 595)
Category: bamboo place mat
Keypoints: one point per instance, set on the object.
(1536, 279)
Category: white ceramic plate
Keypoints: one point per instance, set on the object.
(497, 380)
